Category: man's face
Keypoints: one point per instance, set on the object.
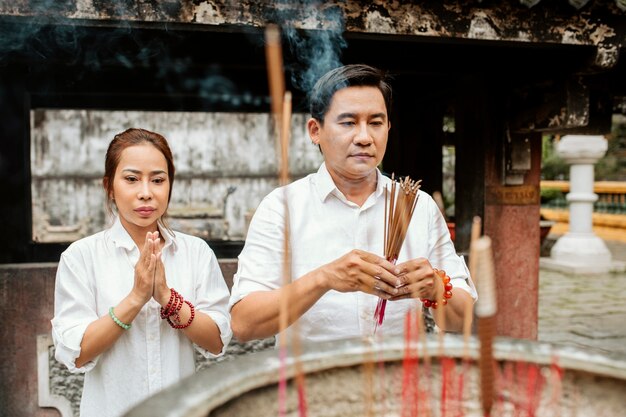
(353, 137)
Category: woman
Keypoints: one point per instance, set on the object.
(132, 302)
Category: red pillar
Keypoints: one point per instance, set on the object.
(511, 220)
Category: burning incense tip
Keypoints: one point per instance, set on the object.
(272, 34)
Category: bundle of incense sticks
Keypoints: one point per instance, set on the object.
(399, 206)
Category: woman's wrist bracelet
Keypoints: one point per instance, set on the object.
(191, 317)
(118, 321)
(172, 309)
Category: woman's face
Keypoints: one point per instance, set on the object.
(141, 187)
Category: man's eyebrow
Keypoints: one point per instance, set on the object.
(353, 115)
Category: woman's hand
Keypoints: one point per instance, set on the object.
(161, 293)
(145, 269)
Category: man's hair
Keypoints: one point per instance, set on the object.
(354, 75)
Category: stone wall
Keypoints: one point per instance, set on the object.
(214, 154)
(519, 21)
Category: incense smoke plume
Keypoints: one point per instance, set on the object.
(44, 34)
(314, 51)
(319, 51)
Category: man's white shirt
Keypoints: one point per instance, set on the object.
(323, 226)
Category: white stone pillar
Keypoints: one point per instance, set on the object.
(580, 250)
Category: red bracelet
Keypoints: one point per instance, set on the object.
(169, 304)
(176, 311)
(182, 326)
(447, 290)
(172, 306)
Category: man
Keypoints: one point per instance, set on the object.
(336, 219)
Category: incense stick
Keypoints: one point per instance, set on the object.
(467, 319)
(276, 80)
(281, 110)
(275, 72)
(284, 178)
(485, 310)
(284, 140)
(399, 208)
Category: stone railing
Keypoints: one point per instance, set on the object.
(611, 195)
(609, 212)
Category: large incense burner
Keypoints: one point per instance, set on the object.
(358, 378)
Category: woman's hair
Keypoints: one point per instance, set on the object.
(126, 139)
(354, 75)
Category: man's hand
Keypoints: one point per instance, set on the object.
(362, 271)
(419, 280)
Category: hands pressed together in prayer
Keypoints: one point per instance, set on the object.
(363, 271)
(150, 281)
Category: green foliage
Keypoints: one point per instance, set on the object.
(548, 194)
(552, 166)
(611, 167)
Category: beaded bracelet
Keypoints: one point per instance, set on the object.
(173, 307)
(174, 303)
(118, 321)
(182, 326)
(447, 290)
(169, 304)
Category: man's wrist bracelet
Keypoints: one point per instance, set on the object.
(447, 290)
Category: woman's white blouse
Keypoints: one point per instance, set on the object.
(97, 272)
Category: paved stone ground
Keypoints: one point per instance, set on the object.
(586, 311)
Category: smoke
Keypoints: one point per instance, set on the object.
(45, 35)
(315, 51)
(37, 40)
(316, 54)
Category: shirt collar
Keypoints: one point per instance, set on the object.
(122, 239)
(325, 184)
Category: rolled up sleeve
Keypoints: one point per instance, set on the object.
(443, 253)
(261, 260)
(212, 299)
(74, 310)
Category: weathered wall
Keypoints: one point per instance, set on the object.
(212, 151)
(26, 302)
(501, 20)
